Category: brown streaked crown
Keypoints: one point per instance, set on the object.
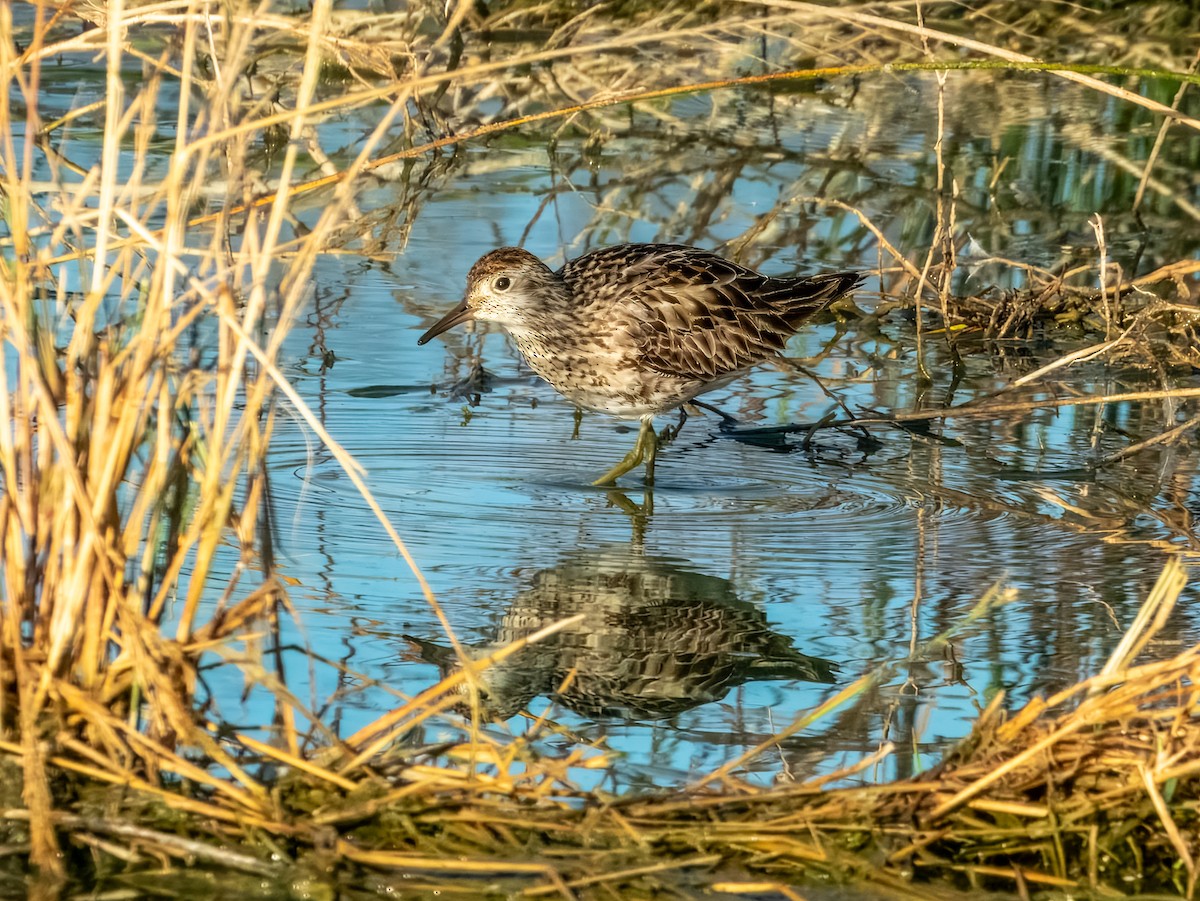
(502, 259)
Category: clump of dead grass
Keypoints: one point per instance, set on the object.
(1092, 790)
(140, 392)
(137, 417)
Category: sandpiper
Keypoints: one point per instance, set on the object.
(635, 330)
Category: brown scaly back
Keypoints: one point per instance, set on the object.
(695, 315)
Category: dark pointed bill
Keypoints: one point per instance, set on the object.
(461, 313)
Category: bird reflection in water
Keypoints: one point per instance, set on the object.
(656, 639)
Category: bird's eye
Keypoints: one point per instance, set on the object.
(503, 283)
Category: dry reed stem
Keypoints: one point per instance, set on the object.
(372, 738)
(1151, 618)
(991, 408)
(924, 32)
(1159, 138)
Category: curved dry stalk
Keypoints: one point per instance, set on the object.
(924, 32)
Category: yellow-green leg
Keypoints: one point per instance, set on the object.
(645, 449)
(651, 449)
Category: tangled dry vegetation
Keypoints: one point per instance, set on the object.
(131, 462)
(1092, 791)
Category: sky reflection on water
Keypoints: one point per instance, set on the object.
(855, 554)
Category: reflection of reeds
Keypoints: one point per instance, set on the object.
(138, 386)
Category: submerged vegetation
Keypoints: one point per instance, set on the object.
(158, 241)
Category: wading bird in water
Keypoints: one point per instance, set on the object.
(635, 330)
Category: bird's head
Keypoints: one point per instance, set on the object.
(509, 286)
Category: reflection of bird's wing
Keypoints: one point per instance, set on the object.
(656, 639)
(655, 660)
(695, 315)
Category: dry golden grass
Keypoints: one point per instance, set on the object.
(134, 482)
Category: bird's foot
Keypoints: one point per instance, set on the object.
(669, 433)
(609, 479)
(645, 449)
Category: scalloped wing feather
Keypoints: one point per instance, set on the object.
(695, 315)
